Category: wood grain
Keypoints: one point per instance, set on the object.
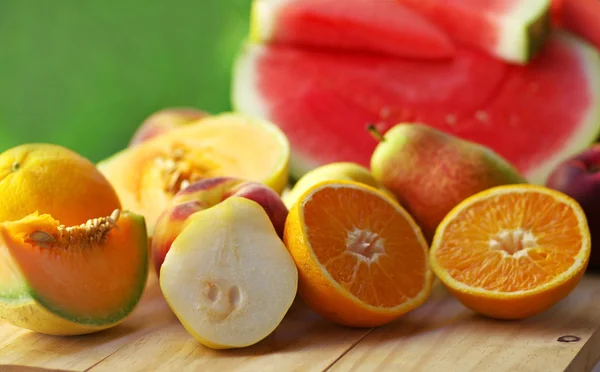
(442, 335)
(153, 339)
(19, 347)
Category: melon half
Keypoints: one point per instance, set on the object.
(533, 115)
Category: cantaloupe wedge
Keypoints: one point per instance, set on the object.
(147, 176)
(62, 280)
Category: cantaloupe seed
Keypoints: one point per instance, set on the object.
(181, 167)
(94, 231)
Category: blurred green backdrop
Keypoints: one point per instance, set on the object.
(84, 74)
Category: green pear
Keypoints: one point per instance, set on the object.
(430, 171)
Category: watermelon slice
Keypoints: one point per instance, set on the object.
(382, 26)
(534, 115)
(512, 30)
(581, 17)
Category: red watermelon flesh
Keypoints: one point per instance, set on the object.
(532, 115)
(382, 26)
(581, 17)
(512, 30)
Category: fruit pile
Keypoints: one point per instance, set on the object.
(204, 201)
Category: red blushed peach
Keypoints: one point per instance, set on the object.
(207, 193)
(165, 120)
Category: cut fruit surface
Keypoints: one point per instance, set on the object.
(147, 175)
(512, 251)
(71, 280)
(228, 277)
(362, 259)
(383, 26)
(580, 17)
(323, 100)
(512, 30)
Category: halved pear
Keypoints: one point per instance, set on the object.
(228, 276)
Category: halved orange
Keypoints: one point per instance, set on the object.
(512, 251)
(362, 260)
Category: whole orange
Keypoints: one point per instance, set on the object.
(52, 179)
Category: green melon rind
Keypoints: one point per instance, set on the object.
(13, 288)
(263, 17)
(588, 129)
(523, 31)
(537, 32)
(246, 98)
(28, 294)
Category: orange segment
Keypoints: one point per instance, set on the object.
(512, 251)
(361, 257)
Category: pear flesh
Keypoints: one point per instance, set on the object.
(228, 277)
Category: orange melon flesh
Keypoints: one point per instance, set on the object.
(220, 145)
(96, 285)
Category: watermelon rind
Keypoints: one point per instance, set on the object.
(247, 98)
(588, 128)
(262, 19)
(524, 31)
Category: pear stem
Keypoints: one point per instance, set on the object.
(375, 132)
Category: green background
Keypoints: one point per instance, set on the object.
(84, 74)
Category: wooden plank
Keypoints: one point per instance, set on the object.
(444, 336)
(303, 342)
(23, 348)
(440, 336)
(153, 339)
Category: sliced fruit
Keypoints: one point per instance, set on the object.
(147, 176)
(63, 280)
(333, 171)
(164, 121)
(52, 179)
(579, 17)
(383, 26)
(228, 277)
(512, 30)
(323, 101)
(361, 257)
(205, 194)
(511, 252)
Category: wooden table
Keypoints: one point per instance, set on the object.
(441, 335)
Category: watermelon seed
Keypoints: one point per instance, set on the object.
(384, 113)
(451, 119)
(482, 116)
